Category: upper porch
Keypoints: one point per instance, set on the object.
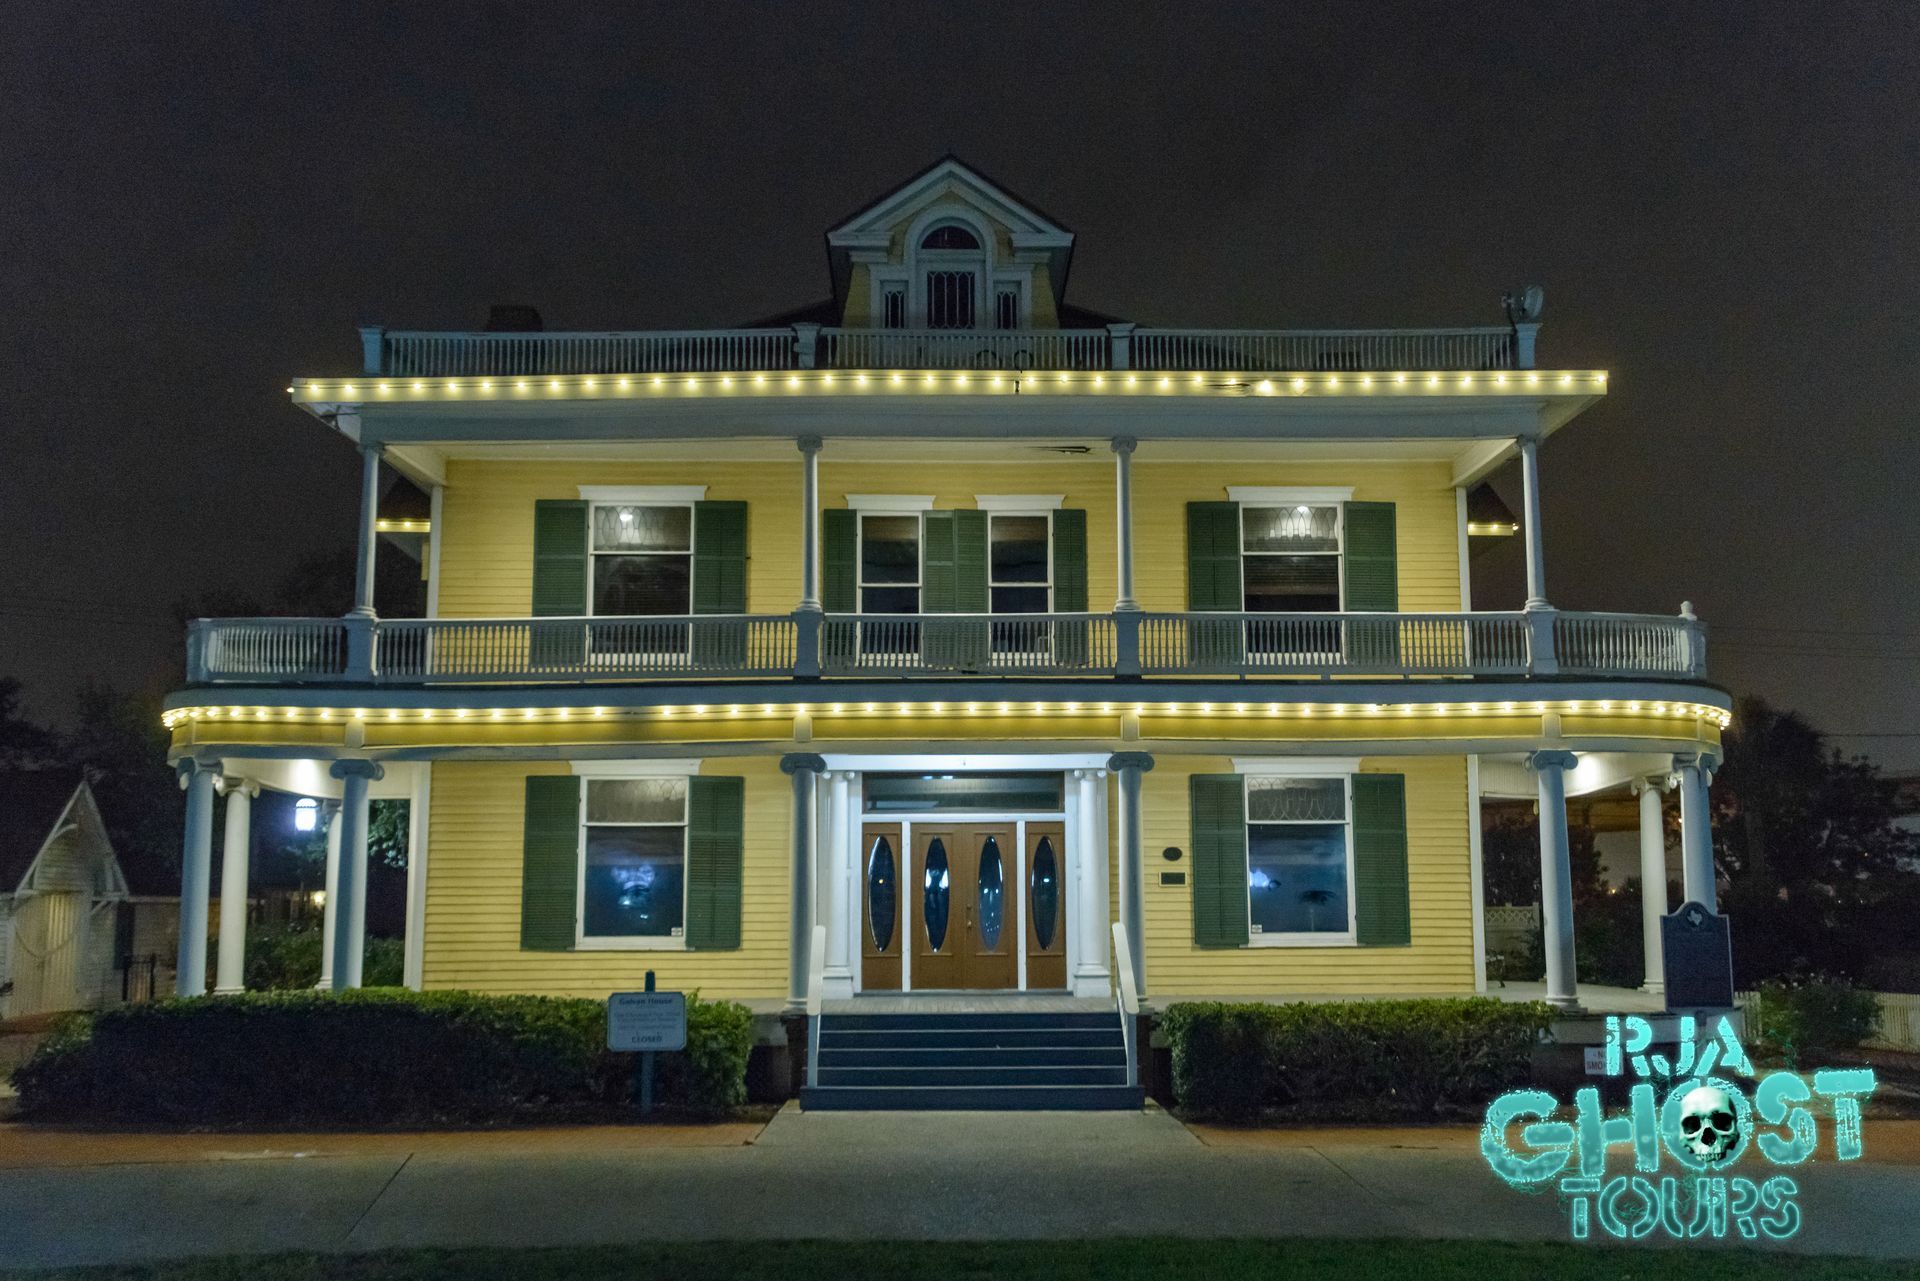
(393, 353)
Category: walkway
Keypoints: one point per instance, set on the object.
(89, 1198)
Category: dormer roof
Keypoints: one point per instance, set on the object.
(875, 228)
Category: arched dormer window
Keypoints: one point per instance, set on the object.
(952, 267)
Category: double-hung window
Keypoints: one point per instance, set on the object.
(1019, 577)
(1299, 859)
(889, 582)
(642, 567)
(1290, 564)
(633, 858)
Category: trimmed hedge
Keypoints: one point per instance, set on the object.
(1378, 1058)
(370, 1057)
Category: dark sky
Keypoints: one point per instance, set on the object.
(199, 201)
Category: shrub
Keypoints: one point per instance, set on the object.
(284, 958)
(373, 1056)
(1794, 1016)
(1404, 1058)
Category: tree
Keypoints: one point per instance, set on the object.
(1819, 877)
(119, 742)
(23, 744)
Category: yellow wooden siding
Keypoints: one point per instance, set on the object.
(486, 563)
(1428, 536)
(472, 937)
(1439, 875)
(857, 314)
(1085, 480)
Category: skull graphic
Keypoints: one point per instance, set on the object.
(1708, 1124)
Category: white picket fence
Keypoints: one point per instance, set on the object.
(1899, 1019)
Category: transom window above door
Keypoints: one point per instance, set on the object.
(642, 558)
(1290, 558)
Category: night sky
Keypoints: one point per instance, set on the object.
(200, 201)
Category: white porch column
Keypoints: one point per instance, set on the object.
(810, 523)
(369, 540)
(836, 874)
(1130, 766)
(234, 851)
(1696, 829)
(1556, 876)
(196, 870)
(350, 933)
(1123, 447)
(1653, 880)
(330, 896)
(805, 768)
(1536, 550)
(1092, 976)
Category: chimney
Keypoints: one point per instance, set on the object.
(513, 318)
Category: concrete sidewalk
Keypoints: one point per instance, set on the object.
(90, 1198)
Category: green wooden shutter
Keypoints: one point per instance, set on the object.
(719, 558)
(953, 580)
(1382, 916)
(839, 561)
(560, 581)
(1213, 581)
(550, 863)
(559, 558)
(1371, 566)
(720, 582)
(1070, 585)
(716, 809)
(1219, 814)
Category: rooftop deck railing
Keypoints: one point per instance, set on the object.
(414, 353)
(427, 652)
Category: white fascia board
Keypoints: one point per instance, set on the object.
(890, 502)
(643, 493)
(1296, 766)
(631, 768)
(1024, 503)
(1286, 495)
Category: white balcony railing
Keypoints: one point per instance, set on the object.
(966, 349)
(920, 646)
(416, 353)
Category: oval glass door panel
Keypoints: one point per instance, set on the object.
(992, 893)
(1044, 893)
(883, 894)
(933, 894)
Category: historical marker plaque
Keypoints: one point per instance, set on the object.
(1697, 948)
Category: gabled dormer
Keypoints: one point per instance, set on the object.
(949, 249)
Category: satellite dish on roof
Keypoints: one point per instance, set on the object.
(1524, 305)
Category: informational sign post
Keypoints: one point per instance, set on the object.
(643, 1023)
(1698, 951)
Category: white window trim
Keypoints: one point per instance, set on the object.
(890, 504)
(917, 261)
(1296, 766)
(636, 768)
(1019, 504)
(665, 495)
(860, 583)
(1284, 495)
(1351, 938)
(692, 552)
(615, 943)
(1339, 554)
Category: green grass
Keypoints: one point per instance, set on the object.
(1103, 1260)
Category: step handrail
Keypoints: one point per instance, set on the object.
(1126, 1000)
(816, 979)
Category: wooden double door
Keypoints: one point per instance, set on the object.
(963, 905)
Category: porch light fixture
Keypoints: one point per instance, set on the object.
(306, 814)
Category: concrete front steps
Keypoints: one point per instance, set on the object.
(1017, 1061)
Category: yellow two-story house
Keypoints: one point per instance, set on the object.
(945, 637)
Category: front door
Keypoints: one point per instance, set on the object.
(962, 883)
